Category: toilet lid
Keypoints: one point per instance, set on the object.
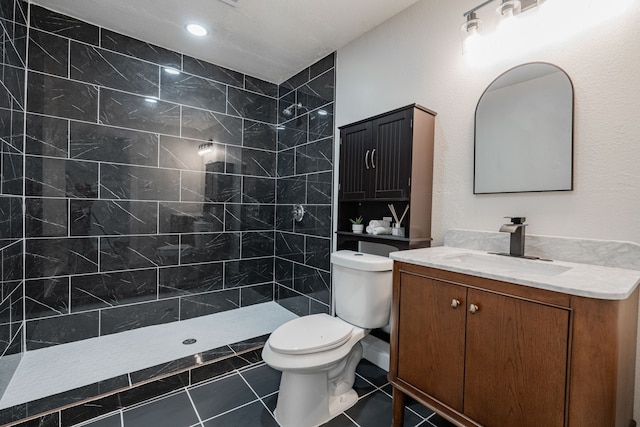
(310, 334)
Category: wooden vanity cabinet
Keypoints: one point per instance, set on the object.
(486, 353)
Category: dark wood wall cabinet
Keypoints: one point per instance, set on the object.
(387, 159)
(482, 352)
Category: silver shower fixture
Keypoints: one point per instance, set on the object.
(290, 109)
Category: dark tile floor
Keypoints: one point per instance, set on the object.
(248, 397)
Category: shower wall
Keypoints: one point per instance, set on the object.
(12, 105)
(129, 222)
(305, 164)
(156, 187)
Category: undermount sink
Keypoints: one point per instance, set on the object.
(506, 264)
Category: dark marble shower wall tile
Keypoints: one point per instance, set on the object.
(190, 279)
(316, 307)
(48, 53)
(257, 244)
(15, 47)
(292, 301)
(93, 291)
(210, 187)
(182, 153)
(128, 252)
(294, 82)
(112, 217)
(139, 183)
(10, 217)
(139, 112)
(248, 272)
(292, 133)
(210, 303)
(13, 413)
(315, 156)
(126, 318)
(139, 49)
(247, 161)
(211, 247)
(63, 25)
(259, 135)
(256, 294)
(58, 97)
(185, 217)
(12, 262)
(292, 190)
(312, 282)
(319, 188)
(50, 331)
(261, 86)
(326, 63)
(249, 217)
(318, 91)
(14, 82)
(317, 253)
(212, 71)
(208, 125)
(284, 217)
(321, 125)
(317, 221)
(194, 91)
(258, 190)
(49, 177)
(290, 246)
(12, 178)
(252, 106)
(60, 257)
(46, 297)
(286, 162)
(283, 272)
(46, 217)
(47, 136)
(90, 141)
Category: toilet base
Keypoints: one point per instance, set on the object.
(315, 412)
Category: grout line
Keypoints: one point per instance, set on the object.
(193, 405)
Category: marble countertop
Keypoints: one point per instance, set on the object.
(584, 280)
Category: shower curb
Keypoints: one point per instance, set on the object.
(85, 403)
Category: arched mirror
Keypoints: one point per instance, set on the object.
(524, 132)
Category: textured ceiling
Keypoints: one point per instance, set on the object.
(268, 39)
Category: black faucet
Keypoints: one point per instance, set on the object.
(516, 228)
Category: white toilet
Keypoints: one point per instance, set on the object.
(318, 354)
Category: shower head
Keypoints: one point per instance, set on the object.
(288, 112)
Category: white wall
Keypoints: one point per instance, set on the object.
(417, 57)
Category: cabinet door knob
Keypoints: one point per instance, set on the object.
(473, 309)
(455, 303)
(366, 160)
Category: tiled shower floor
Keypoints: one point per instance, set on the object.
(247, 398)
(52, 370)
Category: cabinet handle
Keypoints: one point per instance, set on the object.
(366, 160)
(473, 309)
(455, 303)
(373, 162)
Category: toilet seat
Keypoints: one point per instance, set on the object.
(310, 334)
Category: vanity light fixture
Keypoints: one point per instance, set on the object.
(470, 30)
(197, 30)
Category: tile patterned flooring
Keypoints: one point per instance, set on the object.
(247, 398)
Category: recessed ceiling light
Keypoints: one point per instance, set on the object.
(197, 30)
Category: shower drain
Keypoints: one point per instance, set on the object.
(189, 341)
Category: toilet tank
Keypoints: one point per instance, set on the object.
(362, 286)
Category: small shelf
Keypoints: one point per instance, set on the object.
(401, 243)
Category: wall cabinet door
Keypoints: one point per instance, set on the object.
(431, 337)
(391, 155)
(516, 362)
(356, 147)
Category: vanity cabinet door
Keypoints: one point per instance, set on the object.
(431, 319)
(516, 361)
